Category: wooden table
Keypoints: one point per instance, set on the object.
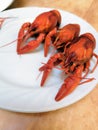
(83, 115)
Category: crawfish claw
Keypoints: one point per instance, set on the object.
(46, 72)
(70, 83)
(33, 44)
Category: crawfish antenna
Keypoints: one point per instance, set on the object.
(2, 20)
(8, 44)
(96, 56)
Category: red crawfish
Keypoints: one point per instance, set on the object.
(39, 28)
(73, 61)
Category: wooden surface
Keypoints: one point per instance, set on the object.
(83, 115)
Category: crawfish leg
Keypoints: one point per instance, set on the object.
(47, 68)
(96, 56)
(70, 83)
(86, 68)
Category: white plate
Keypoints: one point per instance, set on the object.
(19, 86)
(4, 4)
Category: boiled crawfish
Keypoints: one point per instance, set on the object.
(42, 25)
(59, 38)
(73, 61)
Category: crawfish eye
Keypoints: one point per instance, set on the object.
(57, 62)
(58, 24)
(71, 63)
(34, 29)
(53, 38)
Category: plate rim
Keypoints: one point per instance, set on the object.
(6, 5)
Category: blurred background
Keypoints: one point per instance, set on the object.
(84, 9)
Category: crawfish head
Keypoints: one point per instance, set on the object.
(66, 34)
(80, 52)
(42, 24)
(59, 38)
